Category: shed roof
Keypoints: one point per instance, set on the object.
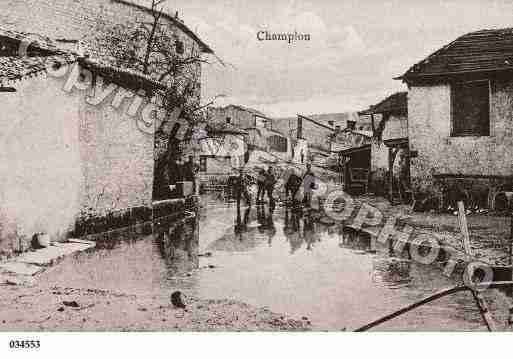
(395, 103)
(480, 51)
(353, 150)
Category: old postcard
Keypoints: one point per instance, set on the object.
(290, 165)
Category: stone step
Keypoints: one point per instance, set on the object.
(32, 263)
(47, 256)
(20, 268)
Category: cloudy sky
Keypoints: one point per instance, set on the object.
(356, 47)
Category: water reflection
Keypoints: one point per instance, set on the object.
(354, 239)
(392, 272)
(178, 241)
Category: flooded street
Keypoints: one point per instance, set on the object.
(293, 265)
(248, 267)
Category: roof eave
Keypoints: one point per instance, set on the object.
(204, 47)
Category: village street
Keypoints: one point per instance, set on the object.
(265, 166)
(314, 275)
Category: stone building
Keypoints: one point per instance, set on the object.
(389, 145)
(66, 157)
(99, 29)
(262, 136)
(223, 151)
(343, 120)
(79, 153)
(239, 116)
(460, 126)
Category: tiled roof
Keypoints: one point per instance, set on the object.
(204, 47)
(18, 68)
(10, 41)
(15, 68)
(396, 103)
(479, 51)
(226, 128)
(247, 109)
(127, 77)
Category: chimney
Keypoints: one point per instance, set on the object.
(351, 124)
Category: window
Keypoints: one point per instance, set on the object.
(470, 108)
(277, 143)
(180, 48)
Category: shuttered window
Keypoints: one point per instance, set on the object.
(470, 108)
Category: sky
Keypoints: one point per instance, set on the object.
(355, 51)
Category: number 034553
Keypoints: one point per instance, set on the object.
(24, 344)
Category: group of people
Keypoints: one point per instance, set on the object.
(265, 183)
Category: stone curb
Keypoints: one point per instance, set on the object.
(22, 269)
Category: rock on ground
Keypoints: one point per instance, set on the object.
(42, 309)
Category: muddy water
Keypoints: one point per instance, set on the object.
(286, 261)
(296, 265)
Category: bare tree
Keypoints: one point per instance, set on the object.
(156, 49)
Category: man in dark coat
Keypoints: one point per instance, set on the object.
(261, 186)
(292, 186)
(270, 182)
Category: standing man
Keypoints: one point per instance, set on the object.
(270, 181)
(292, 186)
(308, 185)
(261, 186)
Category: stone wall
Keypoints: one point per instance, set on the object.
(485, 159)
(63, 160)
(81, 20)
(91, 22)
(318, 136)
(238, 117)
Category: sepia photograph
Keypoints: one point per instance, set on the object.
(261, 166)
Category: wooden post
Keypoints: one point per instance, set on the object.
(510, 318)
(510, 208)
(390, 175)
(464, 228)
(392, 152)
(481, 303)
